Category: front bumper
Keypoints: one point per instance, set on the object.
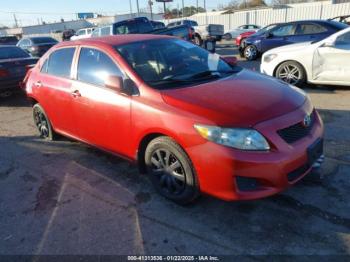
(221, 169)
(267, 68)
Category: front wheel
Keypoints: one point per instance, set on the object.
(171, 170)
(42, 123)
(291, 72)
(251, 52)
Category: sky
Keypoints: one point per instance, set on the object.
(32, 12)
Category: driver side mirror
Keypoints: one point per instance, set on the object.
(231, 60)
(115, 83)
(268, 35)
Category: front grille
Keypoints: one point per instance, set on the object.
(246, 183)
(298, 131)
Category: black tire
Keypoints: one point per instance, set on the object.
(171, 170)
(243, 43)
(227, 36)
(43, 123)
(250, 52)
(198, 40)
(291, 72)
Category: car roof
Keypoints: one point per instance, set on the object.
(114, 40)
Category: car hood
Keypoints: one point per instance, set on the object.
(243, 99)
(291, 47)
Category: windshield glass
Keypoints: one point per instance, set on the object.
(43, 40)
(265, 29)
(12, 52)
(169, 63)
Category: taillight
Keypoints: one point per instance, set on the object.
(4, 73)
(190, 32)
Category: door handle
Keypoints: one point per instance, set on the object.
(38, 84)
(76, 93)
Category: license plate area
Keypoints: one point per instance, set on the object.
(315, 151)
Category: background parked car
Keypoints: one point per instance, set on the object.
(13, 67)
(240, 41)
(210, 32)
(37, 46)
(289, 33)
(322, 62)
(142, 25)
(157, 24)
(233, 33)
(82, 33)
(8, 40)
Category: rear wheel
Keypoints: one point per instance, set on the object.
(42, 123)
(291, 72)
(227, 36)
(251, 52)
(171, 170)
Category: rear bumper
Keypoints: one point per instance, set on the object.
(221, 169)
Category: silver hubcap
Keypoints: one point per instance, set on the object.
(41, 123)
(290, 74)
(169, 171)
(250, 52)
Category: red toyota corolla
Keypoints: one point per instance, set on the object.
(194, 122)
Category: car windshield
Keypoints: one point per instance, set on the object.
(265, 29)
(43, 40)
(170, 63)
(12, 52)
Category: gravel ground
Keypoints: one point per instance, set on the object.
(67, 198)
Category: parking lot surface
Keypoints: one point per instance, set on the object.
(65, 197)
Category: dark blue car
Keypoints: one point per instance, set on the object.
(14, 63)
(289, 33)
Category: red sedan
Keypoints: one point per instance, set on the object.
(191, 120)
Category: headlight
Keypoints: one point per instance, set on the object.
(269, 58)
(239, 138)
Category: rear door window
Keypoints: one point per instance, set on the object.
(308, 29)
(60, 62)
(95, 66)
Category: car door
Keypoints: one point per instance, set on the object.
(55, 83)
(278, 36)
(330, 62)
(102, 114)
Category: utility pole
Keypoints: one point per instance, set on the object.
(197, 6)
(138, 7)
(130, 8)
(150, 7)
(164, 9)
(183, 9)
(206, 13)
(16, 22)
